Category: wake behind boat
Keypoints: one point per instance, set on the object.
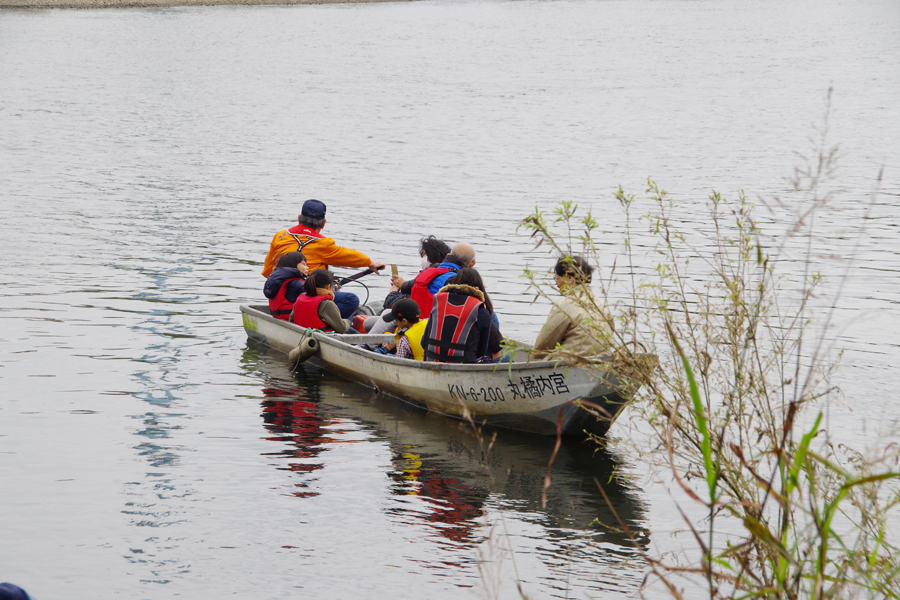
(527, 395)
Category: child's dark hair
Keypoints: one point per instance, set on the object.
(574, 266)
(471, 277)
(291, 259)
(317, 279)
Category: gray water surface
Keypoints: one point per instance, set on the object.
(147, 157)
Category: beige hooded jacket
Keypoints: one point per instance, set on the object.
(578, 321)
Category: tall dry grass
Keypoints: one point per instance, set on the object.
(787, 513)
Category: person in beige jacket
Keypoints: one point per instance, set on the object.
(579, 321)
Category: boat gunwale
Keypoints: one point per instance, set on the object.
(332, 340)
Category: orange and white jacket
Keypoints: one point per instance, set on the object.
(321, 252)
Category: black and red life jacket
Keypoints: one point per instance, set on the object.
(279, 306)
(306, 312)
(450, 327)
(419, 291)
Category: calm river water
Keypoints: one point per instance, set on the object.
(146, 159)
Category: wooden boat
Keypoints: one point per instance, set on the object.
(526, 395)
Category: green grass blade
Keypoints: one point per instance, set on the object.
(801, 453)
(702, 425)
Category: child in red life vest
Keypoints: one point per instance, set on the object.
(315, 307)
(285, 284)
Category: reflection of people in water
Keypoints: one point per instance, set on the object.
(452, 475)
(453, 516)
(458, 484)
(295, 421)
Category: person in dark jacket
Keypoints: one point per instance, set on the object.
(459, 328)
(433, 251)
(285, 284)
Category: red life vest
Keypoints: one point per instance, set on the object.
(419, 291)
(279, 306)
(451, 325)
(306, 312)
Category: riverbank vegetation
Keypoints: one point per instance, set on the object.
(773, 506)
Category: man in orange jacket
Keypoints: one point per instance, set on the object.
(321, 252)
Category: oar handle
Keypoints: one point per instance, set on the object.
(356, 276)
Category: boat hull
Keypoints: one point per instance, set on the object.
(541, 397)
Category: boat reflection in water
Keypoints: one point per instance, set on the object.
(462, 476)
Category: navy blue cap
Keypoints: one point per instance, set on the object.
(9, 591)
(314, 209)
